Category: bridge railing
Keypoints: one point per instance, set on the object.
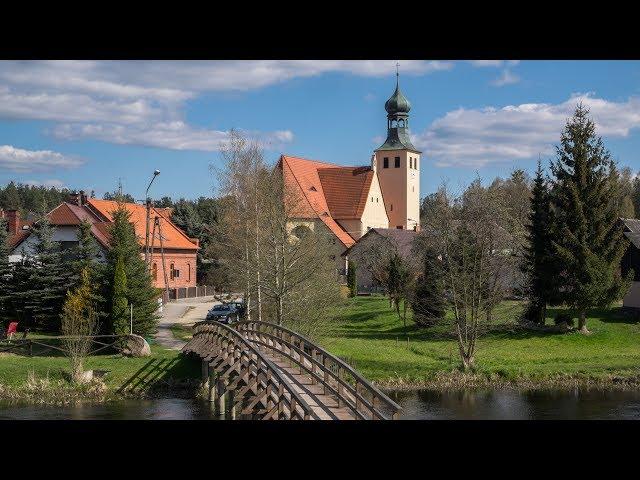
(364, 399)
(218, 340)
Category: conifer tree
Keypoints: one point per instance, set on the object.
(538, 258)
(45, 278)
(428, 298)
(5, 276)
(588, 238)
(139, 285)
(119, 304)
(352, 280)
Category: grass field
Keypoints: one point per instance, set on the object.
(136, 375)
(368, 334)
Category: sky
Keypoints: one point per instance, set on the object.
(88, 124)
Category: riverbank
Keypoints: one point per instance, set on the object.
(44, 380)
(367, 334)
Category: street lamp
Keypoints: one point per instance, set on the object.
(148, 202)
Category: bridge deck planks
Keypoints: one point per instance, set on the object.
(326, 406)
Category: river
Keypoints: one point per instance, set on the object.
(417, 405)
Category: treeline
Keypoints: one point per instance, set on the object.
(31, 200)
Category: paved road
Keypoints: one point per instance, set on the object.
(184, 312)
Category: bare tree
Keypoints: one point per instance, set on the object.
(477, 259)
(79, 323)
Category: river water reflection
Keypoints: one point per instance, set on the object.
(417, 405)
(513, 405)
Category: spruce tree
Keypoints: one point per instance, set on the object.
(588, 239)
(119, 304)
(140, 290)
(5, 276)
(45, 279)
(352, 281)
(428, 298)
(538, 262)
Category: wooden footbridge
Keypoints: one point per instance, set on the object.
(261, 370)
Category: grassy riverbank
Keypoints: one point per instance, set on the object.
(45, 379)
(368, 334)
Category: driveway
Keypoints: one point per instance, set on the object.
(183, 312)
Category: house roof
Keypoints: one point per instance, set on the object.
(631, 224)
(172, 236)
(326, 191)
(401, 239)
(98, 214)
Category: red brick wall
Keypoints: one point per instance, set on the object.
(182, 262)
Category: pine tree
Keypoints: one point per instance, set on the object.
(352, 280)
(5, 276)
(119, 304)
(538, 262)
(428, 298)
(588, 239)
(140, 290)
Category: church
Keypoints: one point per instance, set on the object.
(350, 201)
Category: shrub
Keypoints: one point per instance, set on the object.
(352, 278)
(564, 318)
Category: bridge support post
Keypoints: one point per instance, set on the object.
(205, 374)
(221, 399)
(232, 406)
(212, 385)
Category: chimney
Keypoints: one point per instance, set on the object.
(13, 221)
(74, 197)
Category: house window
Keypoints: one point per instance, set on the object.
(391, 209)
(172, 271)
(386, 162)
(154, 271)
(188, 272)
(397, 162)
(399, 227)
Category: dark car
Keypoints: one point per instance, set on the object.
(224, 313)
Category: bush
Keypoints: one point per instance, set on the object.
(564, 318)
(352, 278)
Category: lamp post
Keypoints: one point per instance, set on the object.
(148, 204)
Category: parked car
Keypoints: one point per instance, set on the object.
(224, 313)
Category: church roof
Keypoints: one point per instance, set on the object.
(398, 103)
(326, 191)
(398, 139)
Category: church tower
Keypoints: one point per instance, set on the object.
(397, 163)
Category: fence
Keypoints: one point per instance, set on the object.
(187, 292)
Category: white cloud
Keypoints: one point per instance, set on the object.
(19, 160)
(175, 135)
(480, 137)
(143, 102)
(507, 78)
(493, 63)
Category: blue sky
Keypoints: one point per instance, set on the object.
(85, 124)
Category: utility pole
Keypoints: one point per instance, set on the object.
(148, 205)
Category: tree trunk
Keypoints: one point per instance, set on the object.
(582, 323)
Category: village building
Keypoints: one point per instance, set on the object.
(631, 260)
(348, 200)
(374, 242)
(179, 250)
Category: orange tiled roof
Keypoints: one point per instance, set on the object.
(172, 236)
(326, 191)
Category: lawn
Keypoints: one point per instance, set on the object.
(133, 374)
(368, 334)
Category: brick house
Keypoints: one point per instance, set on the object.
(179, 250)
